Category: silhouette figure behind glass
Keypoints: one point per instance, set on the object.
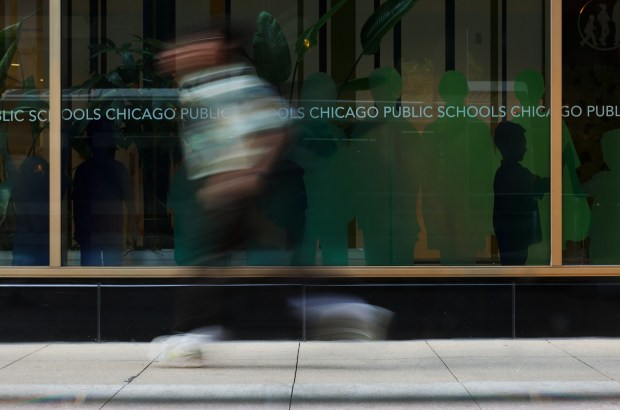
(459, 163)
(603, 19)
(386, 177)
(529, 90)
(31, 198)
(515, 213)
(590, 32)
(100, 189)
(322, 152)
(29, 190)
(603, 188)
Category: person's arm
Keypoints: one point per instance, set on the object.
(219, 189)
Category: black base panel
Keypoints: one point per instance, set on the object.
(568, 310)
(66, 314)
(141, 310)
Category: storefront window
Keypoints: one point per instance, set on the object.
(391, 158)
(591, 133)
(24, 137)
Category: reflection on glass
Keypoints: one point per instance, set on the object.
(458, 180)
(386, 178)
(24, 150)
(390, 158)
(323, 152)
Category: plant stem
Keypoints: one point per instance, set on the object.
(351, 71)
(293, 81)
(32, 14)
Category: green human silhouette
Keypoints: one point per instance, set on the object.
(529, 90)
(386, 161)
(457, 185)
(322, 152)
(603, 188)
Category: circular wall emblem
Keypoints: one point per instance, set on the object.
(599, 24)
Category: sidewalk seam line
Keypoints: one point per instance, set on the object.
(453, 375)
(290, 402)
(581, 361)
(23, 357)
(129, 380)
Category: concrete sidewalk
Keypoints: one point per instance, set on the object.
(487, 374)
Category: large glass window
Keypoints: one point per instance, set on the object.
(393, 125)
(24, 137)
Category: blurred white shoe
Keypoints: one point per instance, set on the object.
(348, 321)
(183, 350)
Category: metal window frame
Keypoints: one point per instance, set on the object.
(556, 269)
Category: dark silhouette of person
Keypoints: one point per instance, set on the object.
(29, 188)
(31, 194)
(516, 218)
(101, 188)
(603, 188)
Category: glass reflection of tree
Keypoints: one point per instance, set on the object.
(459, 165)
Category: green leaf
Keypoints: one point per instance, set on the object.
(381, 22)
(9, 37)
(115, 79)
(309, 37)
(272, 55)
(128, 60)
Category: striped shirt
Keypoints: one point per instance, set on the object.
(239, 106)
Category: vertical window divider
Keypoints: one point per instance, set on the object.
(556, 132)
(55, 102)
